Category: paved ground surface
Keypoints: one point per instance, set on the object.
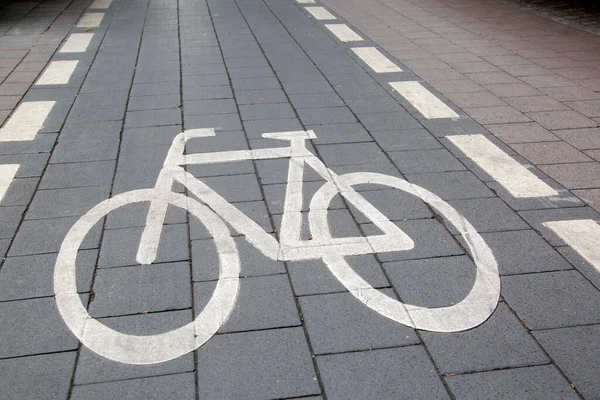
(150, 69)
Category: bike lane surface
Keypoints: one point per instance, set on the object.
(146, 71)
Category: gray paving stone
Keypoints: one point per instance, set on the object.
(37, 377)
(316, 100)
(340, 133)
(92, 368)
(235, 188)
(74, 175)
(340, 222)
(275, 197)
(33, 327)
(452, 185)
(394, 204)
(148, 118)
(32, 276)
(544, 381)
(141, 289)
(41, 144)
(519, 252)
(575, 351)
(30, 165)
(266, 96)
(250, 72)
(426, 161)
(313, 277)
(432, 282)
(107, 112)
(207, 107)
(388, 121)
(222, 141)
(160, 387)
(351, 154)
(221, 122)
(263, 302)
(431, 240)
(374, 105)
(10, 217)
(406, 139)
(87, 142)
(269, 364)
(353, 376)
(141, 103)
(581, 264)
(205, 261)
(57, 203)
(552, 299)
(254, 84)
(500, 342)
(445, 127)
(488, 215)
(153, 89)
(326, 115)
(207, 93)
(120, 246)
(266, 111)
(339, 323)
(20, 192)
(46, 236)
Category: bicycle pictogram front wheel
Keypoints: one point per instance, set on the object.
(150, 349)
(468, 313)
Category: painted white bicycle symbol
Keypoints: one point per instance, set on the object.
(213, 210)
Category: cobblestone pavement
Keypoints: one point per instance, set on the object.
(490, 107)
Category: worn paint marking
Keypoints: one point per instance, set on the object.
(320, 13)
(514, 177)
(7, 174)
(58, 73)
(343, 32)
(375, 60)
(26, 121)
(90, 20)
(423, 100)
(582, 235)
(101, 4)
(77, 43)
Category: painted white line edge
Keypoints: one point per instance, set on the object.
(77, 43)
(320, 13)
(90, 20)
(514, 177)
(582, 235)
(26, 121)
(423, 100)
(375, 60)
(101, 4)
(58, 73)
(305, 1)
(7, 174)
(343, 32)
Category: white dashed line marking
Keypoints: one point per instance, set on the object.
(515, 178)
(7, 174)
(101, 4)
(343, 33)
(375, 60)
(58, 73)
(582, 235)
(90, 20)
(306, 1)
(430, 106)
(26, 121)
(76, 43)
(320, 13)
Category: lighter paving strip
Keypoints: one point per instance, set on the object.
(343, 32)
(77, 43)
(58, 73)
(26, 121)
(320, 13)
(375, 60)
(582, 235)
(423, 100)
(7, 174)
(90, 20)
(101, 4)
(305, 1)
(514, 177)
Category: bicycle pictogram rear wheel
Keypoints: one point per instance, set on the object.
(472, 311)
(151, 349)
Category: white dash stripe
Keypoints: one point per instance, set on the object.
(582, 235)
(101, 4)
(76, 43)
(423, 100)
(375, 60)
(320, 13)
(343, 32)
(90, 20)
(514, 177)
(26, 121)
(305, 1)
(58, 73)
(7, 174)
